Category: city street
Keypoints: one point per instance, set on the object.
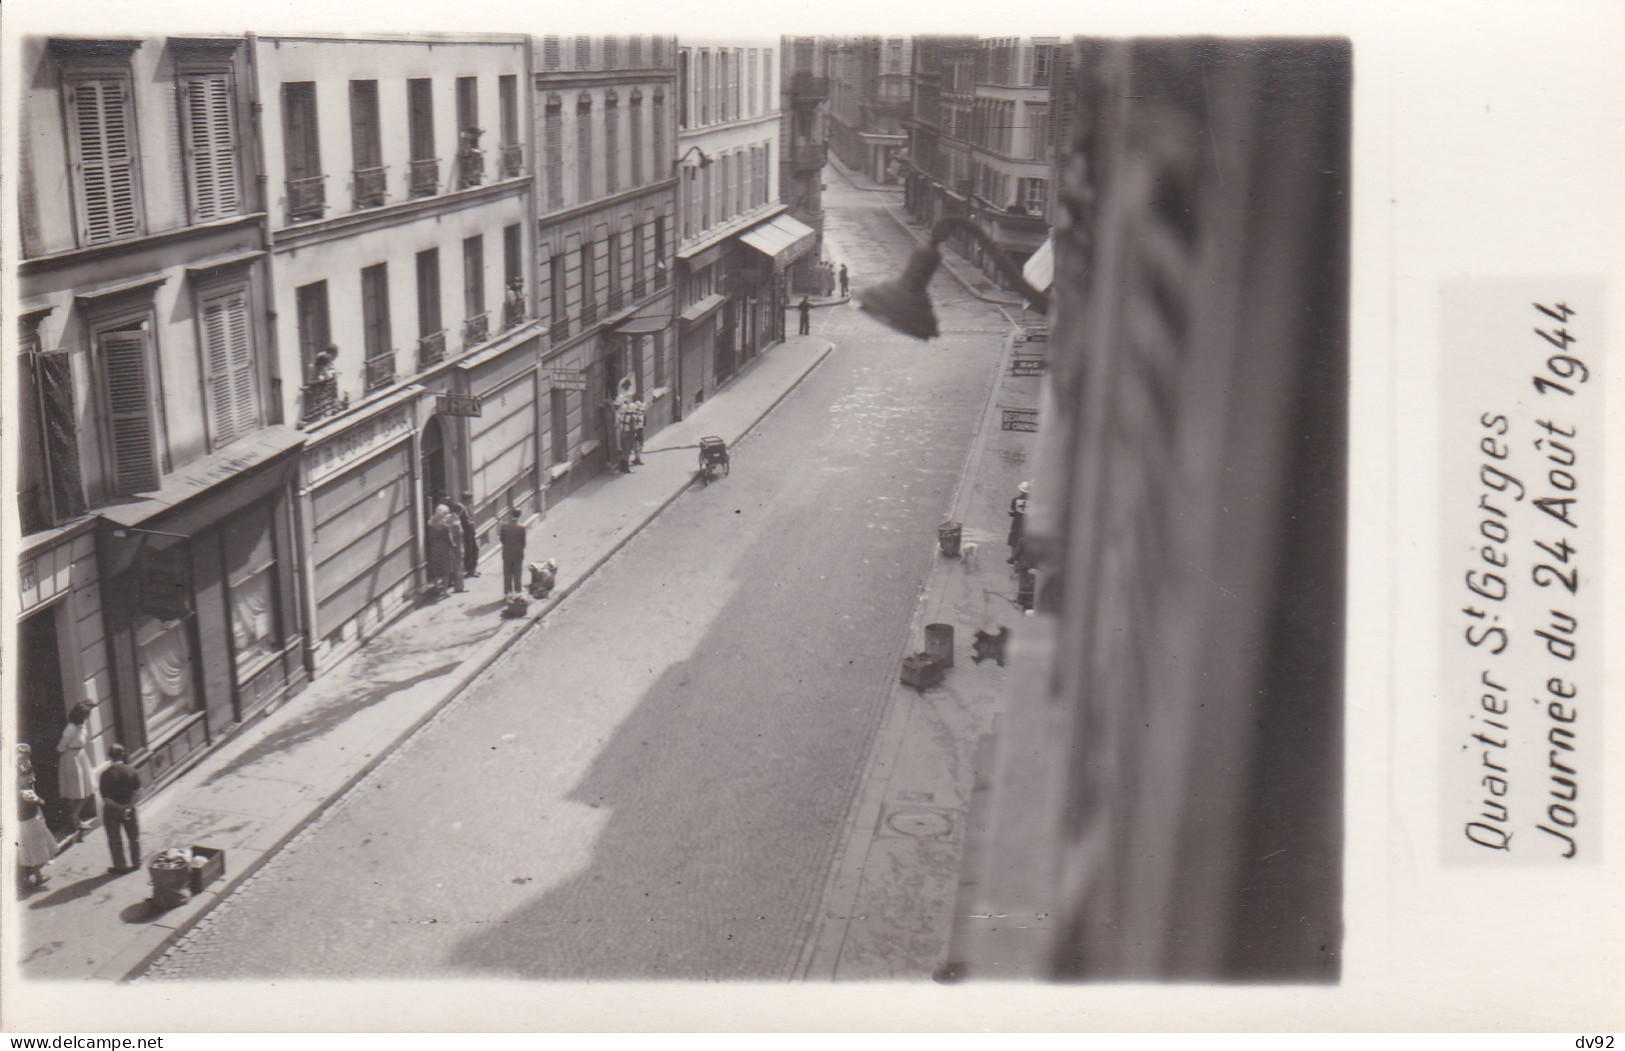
(654, 783)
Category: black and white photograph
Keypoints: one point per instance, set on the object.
(837, 524)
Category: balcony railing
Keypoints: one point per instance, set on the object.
(513, 160)
(380, 371)
(476, 330)
(589, 313)
(470, 169)
(806, 87)
(808, 156)
(616, 301)
(307, 198)
(661, 279)
(640, 287)
(369, 187)
(321, 399)
(432, 349)
(425, 177)
(513, 312)
(560, 329)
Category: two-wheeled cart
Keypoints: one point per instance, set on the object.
(713, 457)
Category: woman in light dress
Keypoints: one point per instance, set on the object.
(76, 776)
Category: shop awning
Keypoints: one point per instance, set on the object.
(230, 465)
(782, 240)
(653, 317)
(703, 307)
(1040, 268)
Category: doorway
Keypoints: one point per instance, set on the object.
(42, 707)
(433, 463)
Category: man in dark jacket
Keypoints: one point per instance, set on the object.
(471, 539)
(512, 535)
(805, 306)
(120, 785)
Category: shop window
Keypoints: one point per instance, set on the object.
(256, 635)
(164, 668)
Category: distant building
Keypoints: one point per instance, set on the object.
(399, 197)
(735, 240)
(158, 561)
(871, 92)
(981, 139)
(606, 134)
(804, 148)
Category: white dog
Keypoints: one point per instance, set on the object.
(967, 554)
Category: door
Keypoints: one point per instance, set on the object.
(42, 706)
(433, 464)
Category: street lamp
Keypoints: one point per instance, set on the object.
(904, 304)
(705, 162)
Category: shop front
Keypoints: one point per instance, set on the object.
(503, 418)
(774, 246)
(199, 593)
(359, 502)
(697, 329)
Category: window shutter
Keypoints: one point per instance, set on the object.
(124, 360)
(105, 159)
(229, 367)
(209, 136)
(55, 375)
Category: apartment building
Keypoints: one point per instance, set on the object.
(606, 130)
(402, 291)
(803, 148)
(981, 131)
(158, 566)
(735, 240)
(872, 91)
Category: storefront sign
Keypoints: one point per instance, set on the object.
(458, 405)
(568, 379)
(355, 444)
(28, 576)
(1020, 420)
(1026, 366)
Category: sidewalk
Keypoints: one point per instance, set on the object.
(277, 775)
(890, 904)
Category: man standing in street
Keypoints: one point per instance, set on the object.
(471, 539)
(805, 306)
(120, 784)
(1018, 520)
(512, 535)
(845, 285)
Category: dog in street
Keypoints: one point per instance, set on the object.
(967, 554)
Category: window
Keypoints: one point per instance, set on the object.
(660, 359)
(662, 160)
(209, 145)
(705, 87)
(302, 152)
(231, 393)
(584, 147)
(508, 114)
(559, 307)
(635, 176)
(634, 51)
(550, 52)
(1043, 64)
(660, 240)
(1033, 195)
(424, 177)
(512, 257)
(589, 284)
(767, 78)
(105, 156)
(380, 365)
(1037, 130)
(367, 148)
(612, 52)
(49, 490)
(612, 143)
(429, 322)
(553, 146)
(639, 263)
(614, 250)
(125, 355)
(473, 276)
(311, 304)
(471, 160)
(583, 52)
(684, 86)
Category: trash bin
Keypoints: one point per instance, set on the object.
(948, 534)
(939, 643)
(171, 883)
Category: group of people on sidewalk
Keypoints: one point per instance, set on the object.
(453, 544)
(77, 784)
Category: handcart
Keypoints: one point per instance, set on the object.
(713, 457)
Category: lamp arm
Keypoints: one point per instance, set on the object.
(1018, 283)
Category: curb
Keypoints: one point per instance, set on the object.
(472, 668)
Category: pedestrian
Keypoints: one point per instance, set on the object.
(512, 535)
(445, 542)
(845, 281)
(120, 785)
(35, 844)
(471, 537)
(76, 777)
(1018, 520)
(805, 306)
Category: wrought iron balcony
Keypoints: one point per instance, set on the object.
(307, 198)
(513, 160)
(476, 330)
(369, 187)
(432, 349)
(589, 313)
(616, 301)
(662, 279)
(380, 371)
(470, 169)
(321, 399)
(808, 156)
(806, 88)
(640, 288)
(560, 329)
(426, 177)
(513, 312)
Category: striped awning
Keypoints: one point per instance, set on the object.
(782, 240)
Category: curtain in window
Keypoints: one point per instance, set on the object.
(165, 663)
(253, 629)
